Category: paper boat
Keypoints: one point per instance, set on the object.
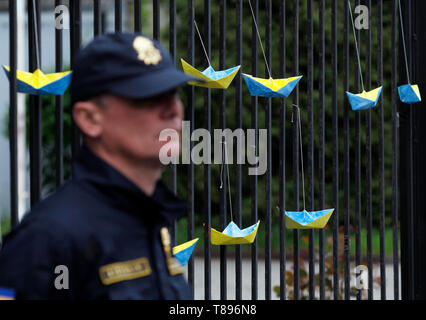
(234, 235)
(270, 88)
(209, 77)
(307, 220)
(184, 251)
(38, 83)
(409, 93)
(364, 100)
(7, 294)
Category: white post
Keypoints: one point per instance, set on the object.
(21, 136)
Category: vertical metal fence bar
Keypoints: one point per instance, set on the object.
(296, 147)
(138, 15)
(97, 20)
(254, 181)
(118, 25)
(310, 159)
(381, 155)
(335, 161)
(59, 127)
(172, 46)
(346, 175)
(282, 156)
(75, 39)
(207, 168)
(35, 104)
(395, 133)
(156, 19)
(269, 160)
(358, 170)
(321, 156)
(222, 121)
(191, 107)
(407, 10)
(238, 168)
(369, 164)
(13, 118)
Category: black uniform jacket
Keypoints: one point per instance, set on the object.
(99, 236)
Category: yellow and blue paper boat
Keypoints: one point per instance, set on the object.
(7, 294)
(409, 93)
(38, 83)
(307, 220)
(270, 88)
(210, 78)
(234, 235)
(364, 100)
(184, 251)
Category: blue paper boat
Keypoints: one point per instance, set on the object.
(409, 93)
(270, 88)
(184, 251)
(307, 220)
(7, 294)
(39, 83)
(364, 100)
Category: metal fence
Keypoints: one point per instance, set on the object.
(335, 140)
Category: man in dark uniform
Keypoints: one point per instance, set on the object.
(104, 234)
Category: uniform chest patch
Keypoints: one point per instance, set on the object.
(126, 270)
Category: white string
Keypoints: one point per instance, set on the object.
(202, 43)
(260, 40)
(403, 41)
(301, 150)
(221, 172)
(301, 156)
(227, 173)
(36, 36)
(356, 45)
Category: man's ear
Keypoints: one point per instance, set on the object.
(88, 117)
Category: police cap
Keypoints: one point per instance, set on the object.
(129, 65)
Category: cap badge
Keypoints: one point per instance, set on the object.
(146, 50)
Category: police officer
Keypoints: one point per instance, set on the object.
(104, 234)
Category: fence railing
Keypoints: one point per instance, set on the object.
(351, 157)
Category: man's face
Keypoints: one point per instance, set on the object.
(132, 128)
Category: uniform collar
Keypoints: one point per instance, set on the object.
(118, 189)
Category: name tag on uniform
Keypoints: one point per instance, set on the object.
(126, 270)
(172, 264)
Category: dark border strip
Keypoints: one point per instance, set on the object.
(282, 173)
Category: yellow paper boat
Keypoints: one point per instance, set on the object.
(39, 83)
(270, 88)
(307, 220)
(184, 251)
(234, 235)
(210, 78)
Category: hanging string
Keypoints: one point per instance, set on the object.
(227, 174)
(356, 45)
(403, 41)
(36, 35)
(260, 40)
(202, 43)
(301, 154)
